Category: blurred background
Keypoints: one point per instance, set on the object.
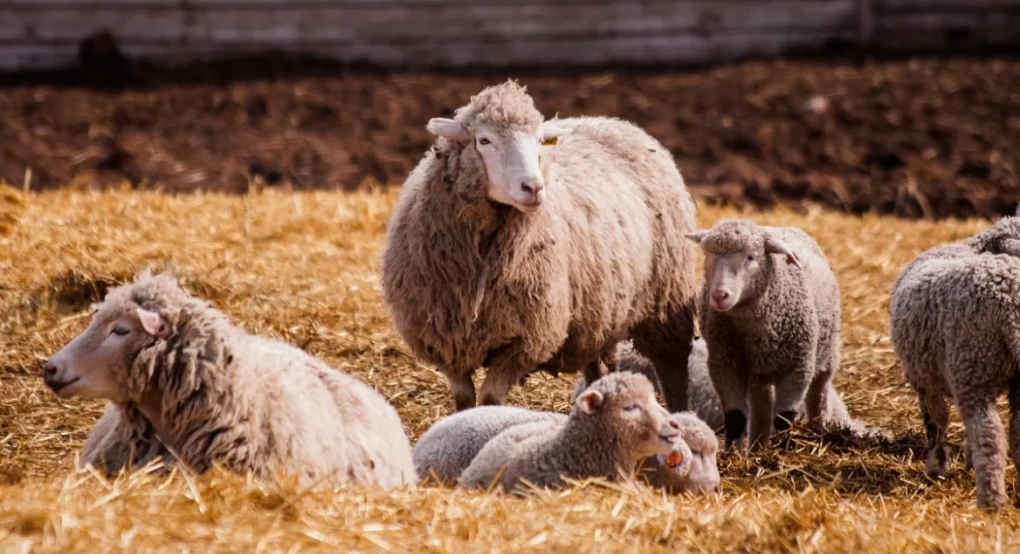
(909, 107)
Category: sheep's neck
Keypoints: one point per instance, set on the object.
(589, 445)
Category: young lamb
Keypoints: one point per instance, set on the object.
(448, 447)
(769, 312)
(524, 245)
(183, 379)
(955, 325)
(615, 423)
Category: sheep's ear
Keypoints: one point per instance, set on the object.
(1017, 212)
(153, 323)
(776, 246)
(697, 236)
(589, 401)
(551, 132)
(448, 129)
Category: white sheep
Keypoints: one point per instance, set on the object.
(955, 325)
(524, 245)
(615, 423)
(448, 447)
(770, 313)
(183, 379)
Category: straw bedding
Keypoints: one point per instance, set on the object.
(304, 267)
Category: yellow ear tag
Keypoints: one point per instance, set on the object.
(551, 141)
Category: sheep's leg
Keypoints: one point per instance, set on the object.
(668, 346)
(462, 388)
(816, 402)
(935, 414)
(790, 398)
(762, 399)
(731, 386)
(499, 379)
(986, 440)
(1014, 420)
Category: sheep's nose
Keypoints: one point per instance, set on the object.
(532, 187)
(720, 295)
(49, 373)
(674, 425)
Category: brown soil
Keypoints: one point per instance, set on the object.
(934, 138)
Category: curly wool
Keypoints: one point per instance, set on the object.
(472, 284)
(784, 333)
(955, 325)
(247, 403)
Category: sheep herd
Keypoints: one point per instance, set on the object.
(521, 244)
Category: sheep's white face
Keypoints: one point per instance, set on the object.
(697, 470)
(728, 277)
(97, 363)
(638, 418)
(512, 159)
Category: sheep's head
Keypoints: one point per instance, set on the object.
(1001, 238)
(626, 405)
(502, 127)
(100, 362)
(691, 466)
(735, 251)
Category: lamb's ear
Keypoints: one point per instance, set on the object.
(551, 132)
(697, 236)
(1017, 212)
(589, 401)
(448, 129)
(153, 323)
(776, 246)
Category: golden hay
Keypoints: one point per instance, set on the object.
(304, 267)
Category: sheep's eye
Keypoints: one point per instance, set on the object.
(750, 258)
(631, 407)
(119, 331)
(483, 141)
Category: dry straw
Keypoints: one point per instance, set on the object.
(304, 267)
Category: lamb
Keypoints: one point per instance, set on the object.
(524, 245)
(955, 325)
(614, 424)
(182, 378)
(703, 400)
(772, 329)
(448, 447)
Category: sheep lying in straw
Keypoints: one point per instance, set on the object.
(521, 245)
(449, 446)
(615, 424)
(772, 328)
(955, 325)
(184, 379)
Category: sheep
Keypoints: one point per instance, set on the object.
(448, 447)
(182, 377)
(703, 400)
(955, 326)
(524, 245)
(615, 423)
(772, 329)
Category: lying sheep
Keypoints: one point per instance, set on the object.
(522, 245)
(770, 312)
(615, 423)
(183, 378)
(704, 402)
(955, 325)
(448, 447)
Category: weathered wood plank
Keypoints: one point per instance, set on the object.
(881, 6)
(50, 4)
(74, 24)
(940, 22)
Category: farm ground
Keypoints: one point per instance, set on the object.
(915, 138)
(303, 267)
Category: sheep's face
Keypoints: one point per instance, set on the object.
(98, 362)
(698, 470)
(735, 252)
(626, 402)
(512, 157)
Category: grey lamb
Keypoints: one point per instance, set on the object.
(524, 245)
(182, 379)
(614, 424)
(769, 309)
(955, 325)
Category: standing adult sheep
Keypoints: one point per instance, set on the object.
(520, 245)
(955, 325)
(190, 387)
(770, 311)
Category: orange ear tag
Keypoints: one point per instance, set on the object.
(551, 141)
(674, 459)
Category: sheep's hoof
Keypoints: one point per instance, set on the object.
(991, 502)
